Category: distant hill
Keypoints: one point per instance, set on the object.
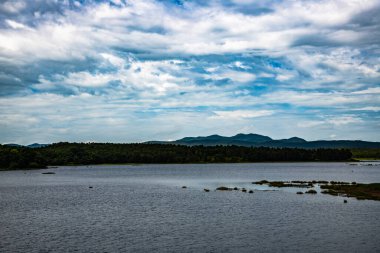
(12, 145)
(34, 145)
(37, 145)
(251, 140)
(256, 140)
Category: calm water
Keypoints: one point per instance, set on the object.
(143, 209)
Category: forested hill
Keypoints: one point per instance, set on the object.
(257, 140)
(13, 157)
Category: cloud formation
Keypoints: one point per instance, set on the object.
(139, 70)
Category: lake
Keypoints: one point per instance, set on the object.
(144, 208)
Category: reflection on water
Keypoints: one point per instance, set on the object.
(144, 208)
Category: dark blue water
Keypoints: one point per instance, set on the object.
(143, 209)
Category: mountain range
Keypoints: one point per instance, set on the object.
(256, 140)
(34, 145)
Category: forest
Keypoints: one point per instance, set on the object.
(18, 157)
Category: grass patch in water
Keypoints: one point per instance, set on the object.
(299, 184)
(359, 191)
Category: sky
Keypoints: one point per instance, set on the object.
(140, 70)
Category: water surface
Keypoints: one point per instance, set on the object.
(143, 208)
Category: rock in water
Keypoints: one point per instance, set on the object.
(223, 188)
(311, 191)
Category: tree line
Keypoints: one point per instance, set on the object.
(102, 153)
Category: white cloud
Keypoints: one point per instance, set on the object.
(86, 79)
(367, 108)
(310, 98)
(344, 120)
(50, 42)
(14, 24)
(115, 69)
(374, 90)
(242, 114)
(284, 77)
(336, 121)
(114, 60)
(203, 30)
(241, 65)
(13, 119)
(235, 76)
(78, 79)
(324, 13)
(331, 66)
(51, 118)
(12, 6)
(148, 78)
(309, 124)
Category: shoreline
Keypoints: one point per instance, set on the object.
(205, 163)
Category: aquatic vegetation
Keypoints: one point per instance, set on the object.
(300, 184)
(224, 188)
(338, 182)
(320, 182)
(261, 182)
(335, 188)
(359, 191)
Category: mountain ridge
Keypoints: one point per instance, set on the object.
(251, 140)
(257, 140)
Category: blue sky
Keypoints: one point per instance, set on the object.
(132, 71)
